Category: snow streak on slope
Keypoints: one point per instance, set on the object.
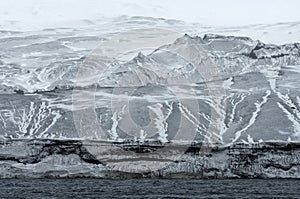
(234, 102)
(117, 116)
(291, 110)
(33, 121)
(160, 120)
(258, 106)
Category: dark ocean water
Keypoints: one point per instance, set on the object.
(140, 188)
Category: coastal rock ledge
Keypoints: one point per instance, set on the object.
(46, 158)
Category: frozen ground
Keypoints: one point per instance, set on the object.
(270, 21)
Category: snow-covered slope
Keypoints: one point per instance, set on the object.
(212, 89)
(242, 87)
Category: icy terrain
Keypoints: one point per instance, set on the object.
(248, 110)
(270, 21)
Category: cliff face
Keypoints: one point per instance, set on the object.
(69, 159)
(216, 90)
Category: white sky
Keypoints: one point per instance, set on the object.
(208, 12)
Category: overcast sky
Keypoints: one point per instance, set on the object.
(208, 12)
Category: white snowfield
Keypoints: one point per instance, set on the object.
(270, 21)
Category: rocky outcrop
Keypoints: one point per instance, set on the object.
(70, 159)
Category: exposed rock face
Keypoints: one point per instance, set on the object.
(218, 89)
(259, 96)
(69, 159)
